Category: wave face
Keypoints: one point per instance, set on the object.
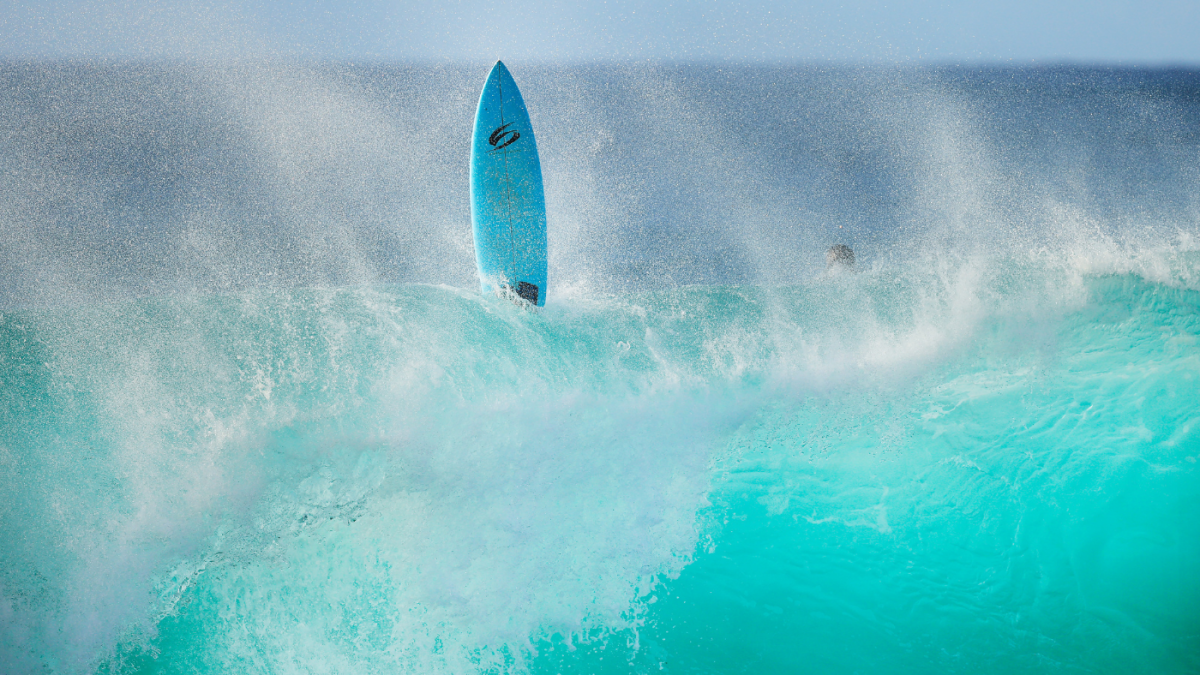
(255, 417)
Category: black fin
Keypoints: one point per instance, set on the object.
(527, 291)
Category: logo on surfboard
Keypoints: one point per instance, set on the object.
(503, 137)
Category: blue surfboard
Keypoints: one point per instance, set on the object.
(508, 207)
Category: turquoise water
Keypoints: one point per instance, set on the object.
(256, 418)
(962, 464)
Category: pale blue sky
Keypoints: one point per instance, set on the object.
(1152, 32)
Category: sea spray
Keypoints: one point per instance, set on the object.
(254, 418)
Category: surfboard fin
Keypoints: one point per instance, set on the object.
(528, 291)
(523, 292)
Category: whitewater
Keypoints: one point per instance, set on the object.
(256, 417)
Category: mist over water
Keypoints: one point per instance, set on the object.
(147, 178)
(256, 417)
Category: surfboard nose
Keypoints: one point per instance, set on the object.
(498, 75)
